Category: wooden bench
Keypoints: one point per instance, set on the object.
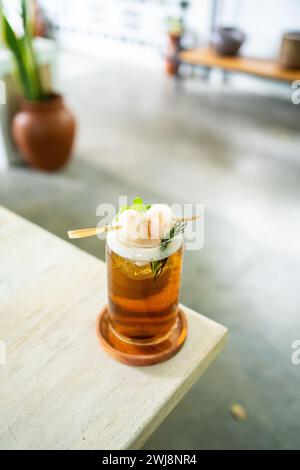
(59, 389)
(207, 58)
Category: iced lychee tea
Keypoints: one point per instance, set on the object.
(143, 309)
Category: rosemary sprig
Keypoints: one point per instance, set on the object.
(177, 229)
(157, 267)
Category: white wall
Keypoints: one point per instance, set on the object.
(98, 26)
(140, 21)
(95, 24)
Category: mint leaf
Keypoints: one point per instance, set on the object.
(137, 201)
(137, 205)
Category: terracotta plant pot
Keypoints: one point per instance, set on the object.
(44, 132)
(172, 60)
(290, 50)
(227, 41)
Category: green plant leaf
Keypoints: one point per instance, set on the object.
(14, 45)
(24, 14)
(2, 42)
(32, 65)
(24, 55)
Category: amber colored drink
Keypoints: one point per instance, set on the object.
(142, 310)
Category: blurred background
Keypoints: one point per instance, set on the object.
(176, 101)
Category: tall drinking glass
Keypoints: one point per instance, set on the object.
(143, 290)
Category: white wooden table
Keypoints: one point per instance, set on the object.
(59, 390)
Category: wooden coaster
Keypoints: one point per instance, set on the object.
(143, 355)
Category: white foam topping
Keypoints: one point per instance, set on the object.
(137, 253)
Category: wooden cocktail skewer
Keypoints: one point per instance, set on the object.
(91, 232)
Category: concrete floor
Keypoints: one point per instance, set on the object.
(239, 154)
